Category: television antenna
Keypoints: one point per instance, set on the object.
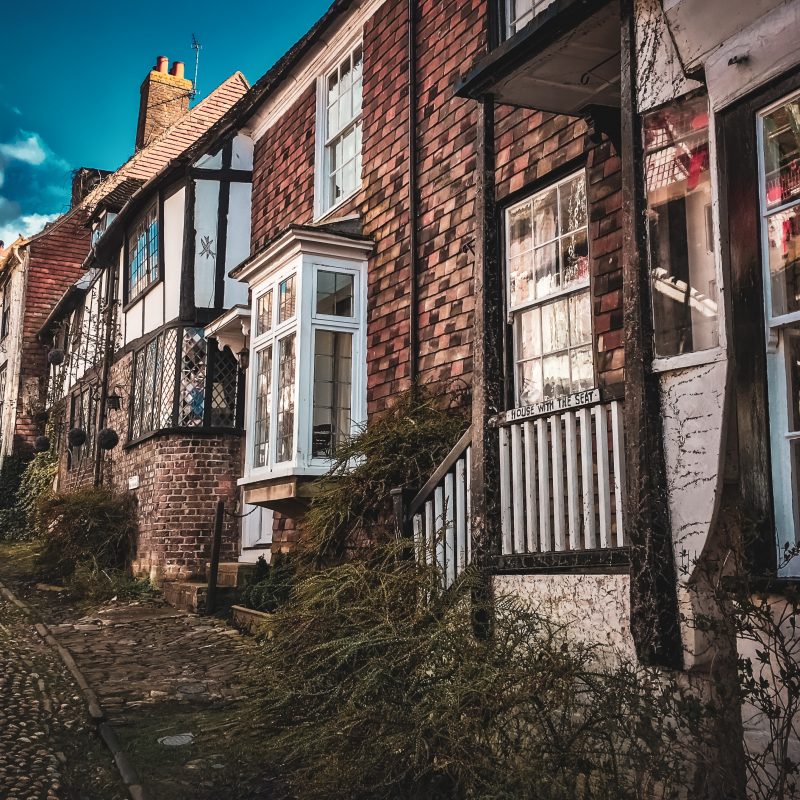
(197, 47)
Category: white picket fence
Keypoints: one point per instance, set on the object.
(562, 480)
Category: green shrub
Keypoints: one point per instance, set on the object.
(12, 525)
(10, 477)
(93, 526)
(400, 449)
(36, 486)
(271, 584)
(91, 582)
(371, 693)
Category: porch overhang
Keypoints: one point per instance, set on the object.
(231, 330)
(566, 61)
(289, 495)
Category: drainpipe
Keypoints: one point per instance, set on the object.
(413, 205)
(108, 347)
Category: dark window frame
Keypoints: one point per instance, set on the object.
(158, 394)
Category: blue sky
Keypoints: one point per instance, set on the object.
(70, 74)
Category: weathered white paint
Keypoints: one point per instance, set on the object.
(692, 407)
(594, 608)
(242, 152)
(206, 242)
(770, 47)
(699, 27)
(238, 246)
(174, 210)
(256, 533)
(660, 73)
(11, 347)
(133, 322)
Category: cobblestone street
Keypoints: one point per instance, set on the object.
(44, 727)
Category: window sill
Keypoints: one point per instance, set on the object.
(192, 431)
(321, 216)
(131, 303)
(685, 360)
(602, 561)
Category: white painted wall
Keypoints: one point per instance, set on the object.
(242, 157)
(154, 309)
(206, 241)
(174, 212)
(11, 352)
(238, 247)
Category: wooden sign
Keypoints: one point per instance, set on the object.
(554, 405)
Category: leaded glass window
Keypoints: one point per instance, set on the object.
(284, 440)
(174, 374)
(333, 377)
(143, 253)
(263, 407)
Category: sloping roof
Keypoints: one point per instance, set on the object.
(148, 161)
(120, 194)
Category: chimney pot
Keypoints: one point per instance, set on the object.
(177, 69)
(161, 64)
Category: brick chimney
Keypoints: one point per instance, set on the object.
(164, 98)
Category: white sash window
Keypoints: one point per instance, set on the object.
(547, 271)
(779, 166)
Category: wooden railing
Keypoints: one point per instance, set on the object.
(562, 480)
(439, 514)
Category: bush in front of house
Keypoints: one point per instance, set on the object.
(90, 528)
(271, 583)
(23, 485)
(376, 687)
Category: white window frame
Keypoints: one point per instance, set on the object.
(304, 325)
(512, 311)
(786, 500)
(512, 28)
(322, 204)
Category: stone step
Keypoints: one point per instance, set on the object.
(192, 595)
(234, 574)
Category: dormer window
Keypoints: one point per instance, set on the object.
(339, 132)
(143, 253)
(101, 226)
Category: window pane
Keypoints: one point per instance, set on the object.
(224, 389)
(783, 244)
(582, 369)
(682, 262)
(555, 326)
(580, 318)
(529, 334)
(285, 421)
(545, 262)
(332, 391)
(555, 371)
(263, 404)
(572, 204)
(545, 222)
(781, 142)
(286, 299)
(264, 313)
(193, 378)
(335, 293)
(574, 259)
(529, 382)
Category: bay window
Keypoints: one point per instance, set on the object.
(307, 378)
(549, 304)
(679, 228)
(143, 253)
(339, 132)
(181, 380)
(779, 168)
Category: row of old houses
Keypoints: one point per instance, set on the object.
(581, 210)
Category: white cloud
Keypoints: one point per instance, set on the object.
(25, 224)
(29, 149)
